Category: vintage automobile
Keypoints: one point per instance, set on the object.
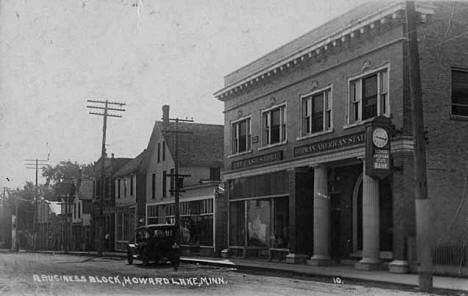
(154, 242)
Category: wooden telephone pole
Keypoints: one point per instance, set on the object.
(105, 106)
(176, 176)
(422, 202)
(33, 164)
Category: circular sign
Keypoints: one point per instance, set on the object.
(380, 137)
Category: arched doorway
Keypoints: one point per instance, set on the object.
(386, 215)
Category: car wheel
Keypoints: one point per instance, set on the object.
(129, 258)
(175, 262)
(144, 258)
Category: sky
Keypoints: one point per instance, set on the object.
(56, 54)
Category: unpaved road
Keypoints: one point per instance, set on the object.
(47, 274)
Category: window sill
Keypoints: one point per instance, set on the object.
(317, 134)
(358, 123)
(458, 117)
(272, 146)
(240, 154)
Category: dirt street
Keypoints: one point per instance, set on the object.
(47, 274)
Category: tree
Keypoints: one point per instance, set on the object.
(66, 170)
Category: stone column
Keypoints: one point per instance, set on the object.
(321, 218)
(370, 223)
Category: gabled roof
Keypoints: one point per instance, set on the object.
(133, 166)
(116, 163)
(202, 146)
(86, 188)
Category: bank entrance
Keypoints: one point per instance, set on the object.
(346, 213)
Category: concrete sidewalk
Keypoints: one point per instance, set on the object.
(344, 272)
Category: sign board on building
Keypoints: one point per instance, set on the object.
(257, 160)
(64, 189)
(378, 156)
(330, 144)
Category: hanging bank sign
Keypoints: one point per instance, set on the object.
(378, 157)
(331, 144)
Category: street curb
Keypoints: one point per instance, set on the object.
(327, 278)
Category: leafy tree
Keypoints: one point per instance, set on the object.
(66, 170)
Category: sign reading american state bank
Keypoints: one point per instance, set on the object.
(331, 144)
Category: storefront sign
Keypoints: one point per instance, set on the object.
(270, 157)
(335, 143)
(378, 157)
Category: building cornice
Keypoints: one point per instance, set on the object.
(323, 45)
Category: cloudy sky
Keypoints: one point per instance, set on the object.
(56, 54)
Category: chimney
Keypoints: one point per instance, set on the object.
(165, 117)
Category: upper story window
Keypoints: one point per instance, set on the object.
(153, 186)
(274, 125)
(159, 152)
(171, 182)
(369, 96)
(118, 188)
(215, 174)
(125, 187)
(460, 92)
(164, 189)
(107, 190)
(316, 112)
(132, 182)
(241, 136)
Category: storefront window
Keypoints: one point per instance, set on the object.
(258, 222)
(119, 225)
(237, 223)
(196, 220)
(197, 230)
(281, 223)
(266, 222)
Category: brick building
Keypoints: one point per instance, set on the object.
(200, 155)
(297, 124)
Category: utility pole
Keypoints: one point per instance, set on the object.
(176, 176)
(105, 106)
(34, 165)
(15, 230)
(3, 212)
(422, 201)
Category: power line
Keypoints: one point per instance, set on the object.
(105, 106)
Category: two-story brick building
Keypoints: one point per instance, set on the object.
(295, 140)
(200, 159)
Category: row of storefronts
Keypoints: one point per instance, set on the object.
(314, 162)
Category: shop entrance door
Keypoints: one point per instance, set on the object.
(386, 216)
